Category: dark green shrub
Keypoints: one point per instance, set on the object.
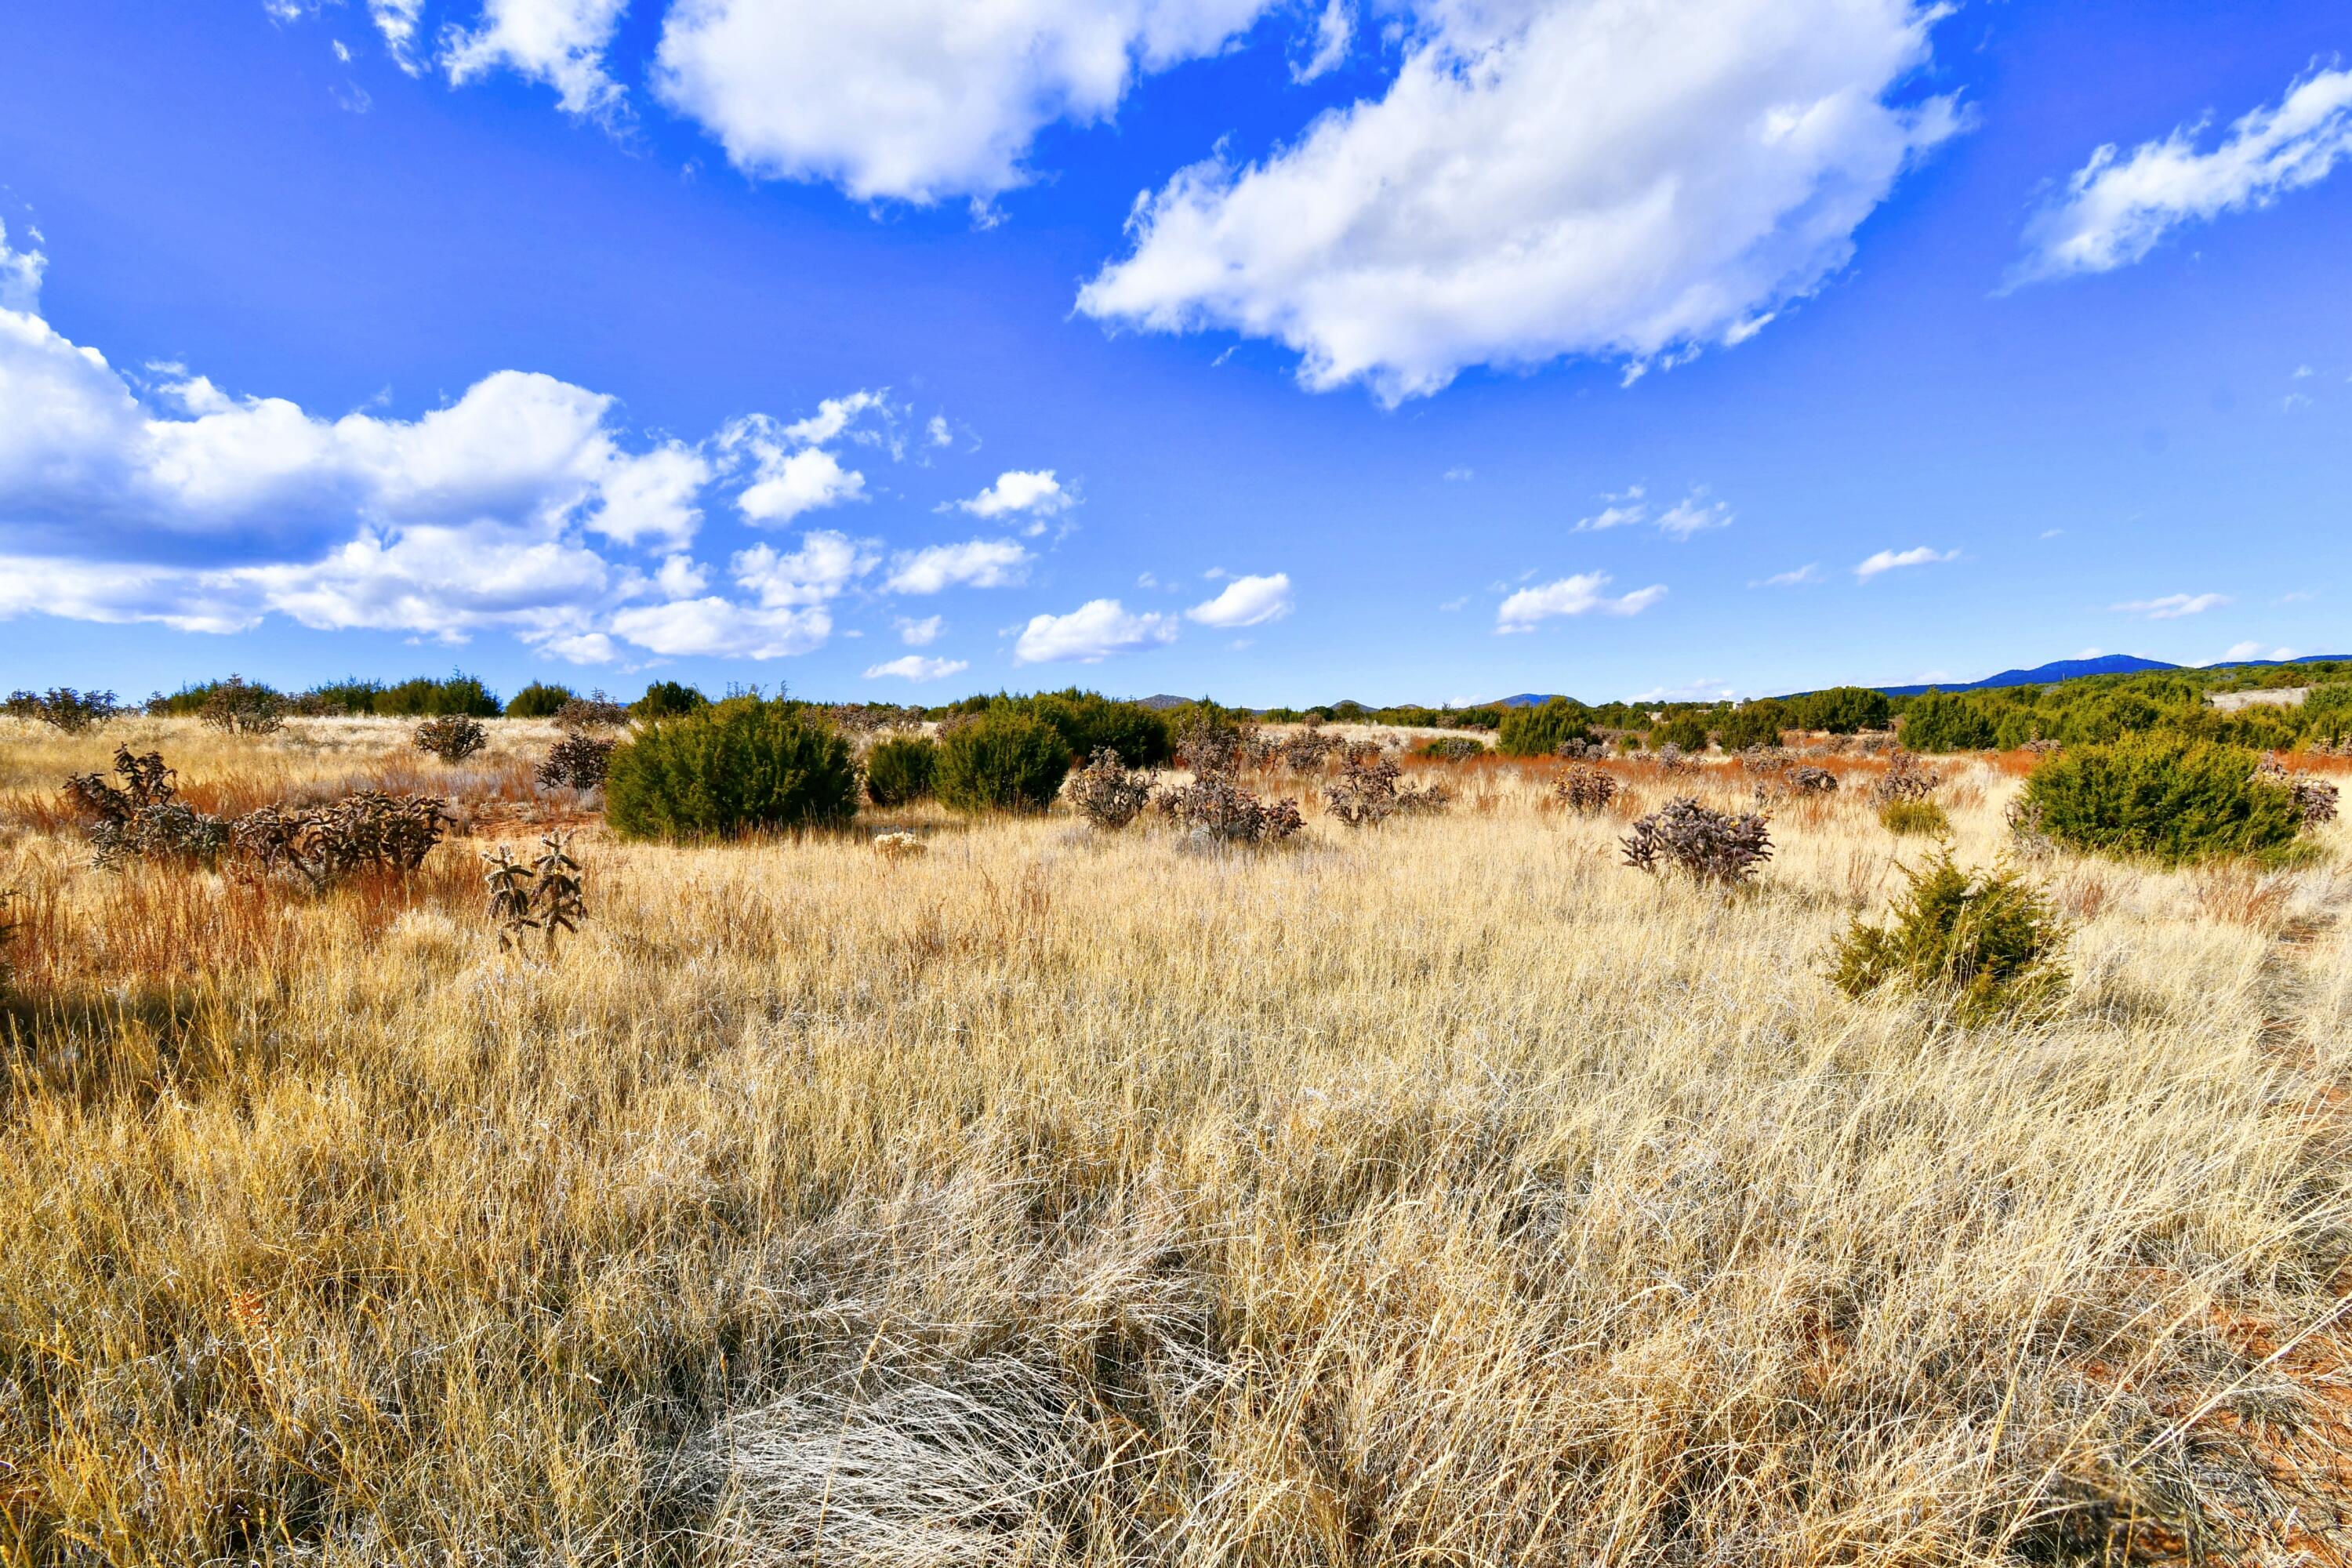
(1843, 709)
(2108, 717)
(668, 698)
(744, 765)
(1686, 730)
(539, 699)
(1757, 723)
(1450, 749)
(2169, 797)
(1904, 817)
(901, 769)
(63, 708)
(2327, 714)
(349, 698)
(1089, 722)
(1002, 761)
(426, 698)
(1985, 940)
(1939, 721)
(1540, 730)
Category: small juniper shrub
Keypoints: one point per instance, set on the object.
(1904, 817)
(585, 715)
(1586, 790)
(1004, 760)
(1367, 793)
(1107, 792)
(1717, 846)
(1216, 809)
(900, 769)
(63, 708)
(746, 764)
(1906, 779)
(1451, 749)
(2171, 798)
(238, 707)
(451, 737)
(1987, 941)
(2315, 798)
(370, 831)
(578, 762)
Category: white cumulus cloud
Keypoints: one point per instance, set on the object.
(1091, 633)
(1888, 561)
(2117, 208)
(1245, 602)
(975, 564)
(560, 43)
(921, 633)
(915, 667)
(1578, 595)
(1629, 180)
(1017, 491)
(917, 99)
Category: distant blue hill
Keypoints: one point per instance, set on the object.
(2075, 669)
(1524, 699)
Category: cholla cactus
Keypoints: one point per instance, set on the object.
(579, 715)
(1215, 809)
(146, 782)
(1107, 792)
(2315, 799)
(1306, 750)
(1811, 781)
(1671, 760)
(453, 737)
(1367, 793)
(509, 881)
(556, 895)
(577, 761)
(1906, 778)
(1585, 789)
(1715, 846)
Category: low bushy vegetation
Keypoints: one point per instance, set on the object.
(453, 737)
(1367, 792)
(578, 761)
(238, 707)
(539, 699)
(1909, 817)
(1450, 749)
(366, 832)
(1585, 789)
(64, 708)
(1685, 732)
(668, 700)
(1843, 709)
(1107, 792)
(901, 770)
(1541, 730)
(2168, 798)
(1986, 941)
(592, 714)
(1215, 809)
(1003, 760)
(1754, 724)
(1724, 848)
(748, 764)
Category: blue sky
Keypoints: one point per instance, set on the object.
(1400, 350)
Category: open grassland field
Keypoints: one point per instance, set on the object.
(1447, 1193)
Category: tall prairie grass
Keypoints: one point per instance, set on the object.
(1442, 1193)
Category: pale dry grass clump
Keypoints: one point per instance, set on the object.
(1452, 1195)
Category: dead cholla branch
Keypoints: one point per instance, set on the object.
(1906, 779)
(545, 896)
(1717, 846)
(595, 711)
(63, 708)
(2315, 798)
(370, 831)
(1585, 789)
(1367, 792)
(238, 708)
(453, 737)
(578, 762)
(1107, 792)
(1214, 808)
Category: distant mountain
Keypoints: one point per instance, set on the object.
(1524, 699)
(2075, 669)
(1161, 700)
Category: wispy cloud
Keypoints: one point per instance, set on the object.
(1811, 572)
(1578, 595)
(1895, 560)
(2172, 606)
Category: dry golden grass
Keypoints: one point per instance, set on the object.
(1443, 1194)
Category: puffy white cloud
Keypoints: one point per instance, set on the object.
(713, 628)
(975, 564)
(837, 416)
(1628, 179)
(1578, 595)
(1894, 560)
(2115, 209)
(1334, 30)
(788, 475)
(559, 42)
(2173, 606)
(922, 633)
(1246, 602)
(1036, 494)
(822, 569)
(1091, 633)
(651, 498)
(917, 100)
(20, 276)
(915, 667)
(681, 577)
